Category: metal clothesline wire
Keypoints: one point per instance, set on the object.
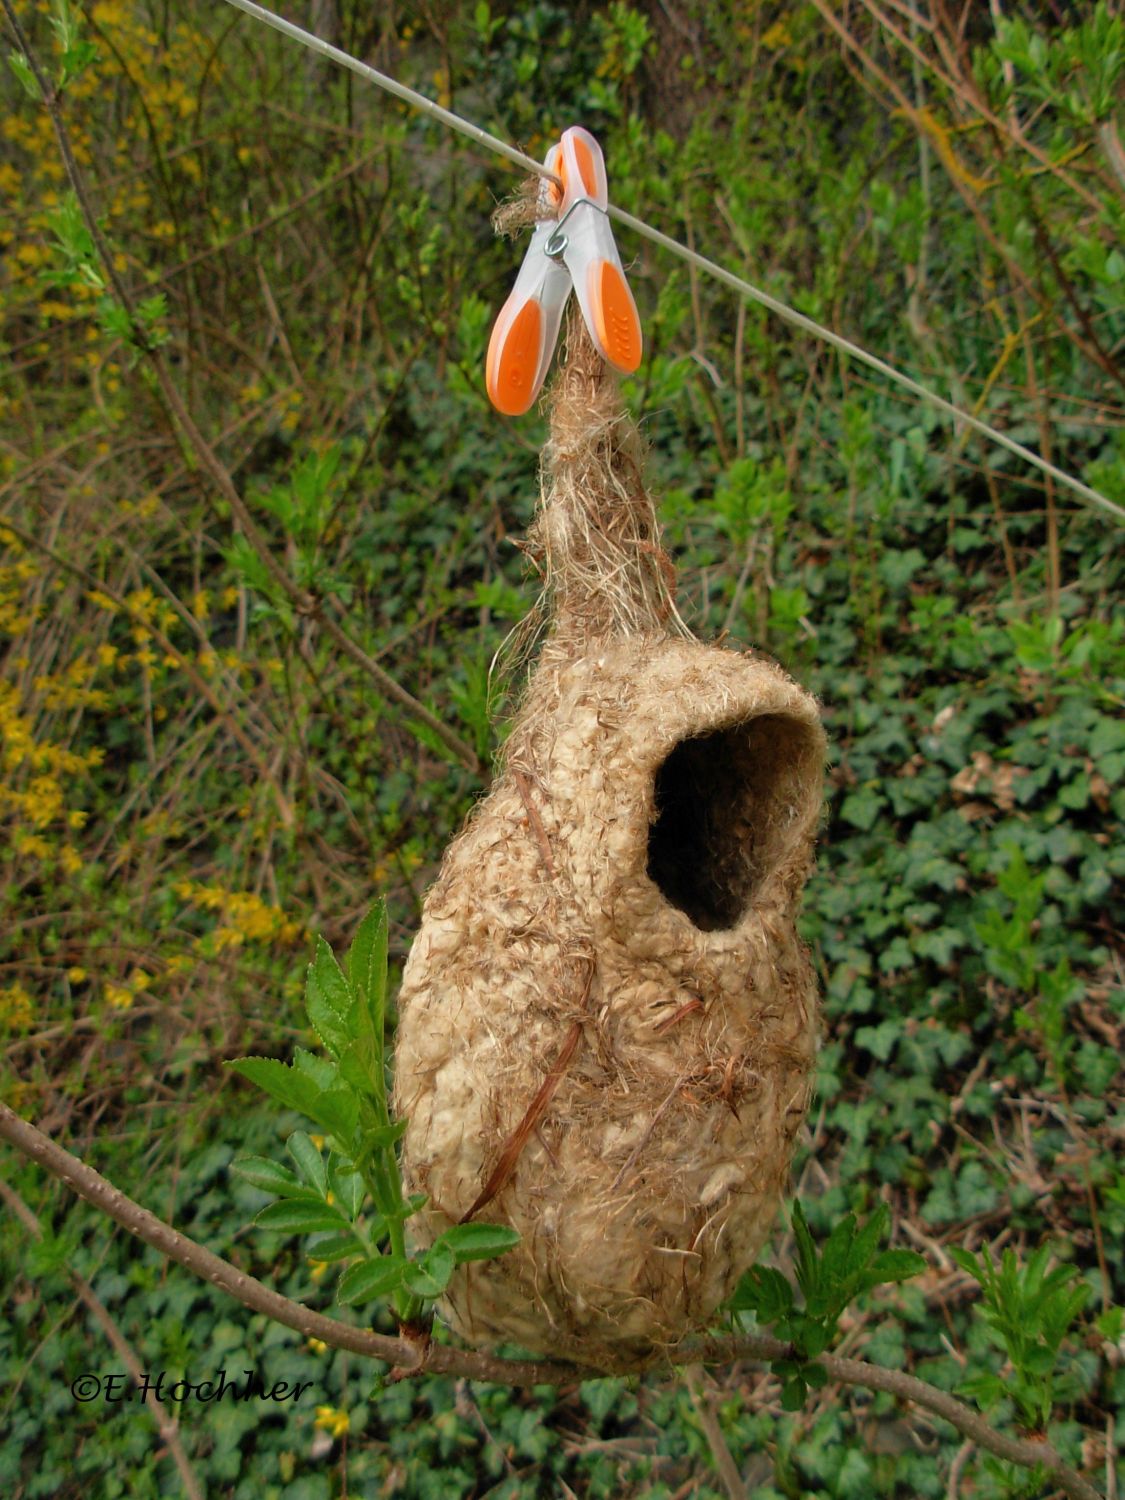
(638, 226)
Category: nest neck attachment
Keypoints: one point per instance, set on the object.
(596, 539)
(572, 247)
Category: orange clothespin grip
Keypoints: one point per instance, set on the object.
(573, 248)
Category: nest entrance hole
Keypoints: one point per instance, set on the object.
(725, 802)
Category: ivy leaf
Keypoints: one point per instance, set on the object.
(862, 808)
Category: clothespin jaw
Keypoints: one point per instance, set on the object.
(575, 247)
(590, 254)
(525, 334)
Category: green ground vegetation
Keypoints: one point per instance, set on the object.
(195, 779)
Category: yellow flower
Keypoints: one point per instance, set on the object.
(316, 1346)
(332, 1420)
(118, 996)
(15, 1007)
(76, 975)
(107, 655)
(201, 604)
(319, 1268)
(776, 36)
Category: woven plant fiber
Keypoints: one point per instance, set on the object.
(607, 1020)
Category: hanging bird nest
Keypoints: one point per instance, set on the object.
(607, 1020)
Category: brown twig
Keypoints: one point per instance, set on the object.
(535, 820)
(402, 1353)
(510, 1155)
(716, 1441)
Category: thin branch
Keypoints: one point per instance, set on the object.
(1027, 1452)
(405, 1355)
(720, 1452)
(411, 1357)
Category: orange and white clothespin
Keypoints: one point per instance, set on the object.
(572, 248)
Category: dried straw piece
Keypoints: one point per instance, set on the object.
(607, 1021)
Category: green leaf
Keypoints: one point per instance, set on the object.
(367, 962)
(337, 1110)
(894, 1265)
(862, 808)
(764, 1292)
(309, 1161)
(289, 1086)
(328, 1001)
(835, 1258)
(440, 1263)
(295, 1216)
(339, 1246)
(866, 1241)
(362, 1067)
(346, 1185)
(22, 69)
(793, 1395)
(318, 1069)
(813, 1338)
(381, 1138)
(807, 1266)
(966, 1260)
(270, 1176)
(371, 1278)
(419, 1283)
(478, 1241)
(815, 1376)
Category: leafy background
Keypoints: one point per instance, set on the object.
(195, 781)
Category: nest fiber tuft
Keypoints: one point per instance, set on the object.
(607, 1021)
